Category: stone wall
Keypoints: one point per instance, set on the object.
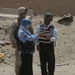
(57, 7)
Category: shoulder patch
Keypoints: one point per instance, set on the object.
(25, 36)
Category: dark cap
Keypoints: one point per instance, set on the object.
(48, 15)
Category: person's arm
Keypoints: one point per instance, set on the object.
(36, 41)
(38, 31)
(11, 34)
(55, 35)
(23, 36)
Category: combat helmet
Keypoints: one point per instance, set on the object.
(48, 16)
(22, 10)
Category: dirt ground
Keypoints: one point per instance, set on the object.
(64, 49)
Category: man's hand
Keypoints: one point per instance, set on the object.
(38, 48)
(48, 37)
(14, 44)
(41, 34)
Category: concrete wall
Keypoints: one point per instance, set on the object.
(14, 11)
(57, 7)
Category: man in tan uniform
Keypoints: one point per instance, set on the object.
(22, 11)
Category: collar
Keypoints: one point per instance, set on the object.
(26, 30)
(47, 25)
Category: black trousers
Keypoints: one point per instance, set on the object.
(47, 59)
(26, 66)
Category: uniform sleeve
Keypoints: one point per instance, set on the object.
(11, 32)
(55, 35)
(24, 36)
(36, 41)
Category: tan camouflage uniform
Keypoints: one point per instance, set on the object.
(17, 53)
(14, 26)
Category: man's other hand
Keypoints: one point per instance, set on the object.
(41, 34)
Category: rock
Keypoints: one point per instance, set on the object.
(1, 28)
(9, 56)
(66, 18)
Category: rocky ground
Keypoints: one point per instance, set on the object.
(64, 49)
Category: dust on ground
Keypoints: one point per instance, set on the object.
(64, 49)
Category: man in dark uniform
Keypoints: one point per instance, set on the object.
(45, 45)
